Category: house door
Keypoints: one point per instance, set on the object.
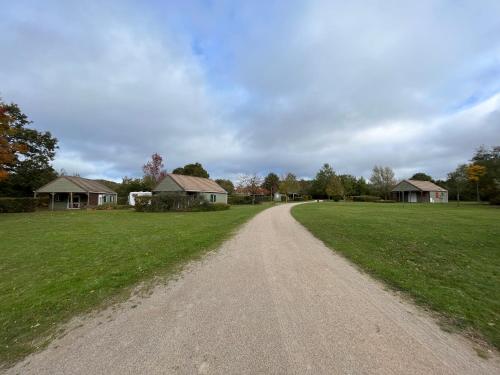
(76, 201)
(413, 197)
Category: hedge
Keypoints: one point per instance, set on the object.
(365, 198)
(240, 199)
(176, 202)
(495, 200)
(113, 206)
(18, 205)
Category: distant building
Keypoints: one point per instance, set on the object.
(415, 191)
(257, 191)
(189, 185)
(71, 192)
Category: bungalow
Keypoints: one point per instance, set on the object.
(71, 192)
(414, 191)
(190, 185)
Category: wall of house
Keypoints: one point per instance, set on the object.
(61, 200)
(219, 197)
(93, 199)
(167, 184)
(424, 197)
(104, 198)
(438, 197)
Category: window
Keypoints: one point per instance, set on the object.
(213, 198)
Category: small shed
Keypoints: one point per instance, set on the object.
(190, 185)
(72, 192)
(415, 191)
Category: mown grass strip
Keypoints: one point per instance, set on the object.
(55, 265)
(445, 257)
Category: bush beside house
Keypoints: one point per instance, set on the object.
(176, 202)
(8, 205)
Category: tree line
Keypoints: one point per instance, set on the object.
(26, 155)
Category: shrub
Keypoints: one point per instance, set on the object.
(240, 199)
(122, 200)
(43, 201)
(365, 198)
(176, 202)
(18, 204)
(142, 203)
(113, 206)
(495, 199)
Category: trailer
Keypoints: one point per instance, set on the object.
(133, 194)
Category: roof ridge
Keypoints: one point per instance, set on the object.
(186, 175)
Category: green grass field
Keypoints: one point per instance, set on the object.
(55, 265)
(445, 257)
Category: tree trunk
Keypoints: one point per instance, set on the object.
(477, 191)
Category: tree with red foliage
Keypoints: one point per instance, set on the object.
(154, 170)
(25, 153)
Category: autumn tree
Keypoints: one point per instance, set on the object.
(227, 185)
(383, 180)
(474, 174)
(490, 182)
(193, 169)
(271, 183)
(153, 170)
(25, 153)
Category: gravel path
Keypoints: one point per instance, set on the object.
(272, 300)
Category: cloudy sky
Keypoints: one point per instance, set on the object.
(255, 86)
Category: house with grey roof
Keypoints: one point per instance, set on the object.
(72, 192)
(190, 185)
(415, 191)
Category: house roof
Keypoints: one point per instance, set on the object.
(90, 185)
(198, 184)
(422, 185)
(85, 184)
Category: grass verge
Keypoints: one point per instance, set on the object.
(445, 257)
(55, 265)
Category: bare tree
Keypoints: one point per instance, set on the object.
(250, 184)
(383, 180)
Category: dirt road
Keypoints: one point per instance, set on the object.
(272, 300)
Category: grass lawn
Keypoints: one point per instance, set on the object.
(54, 265)
(446, 257)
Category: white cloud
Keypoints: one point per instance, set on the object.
(284, 86)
